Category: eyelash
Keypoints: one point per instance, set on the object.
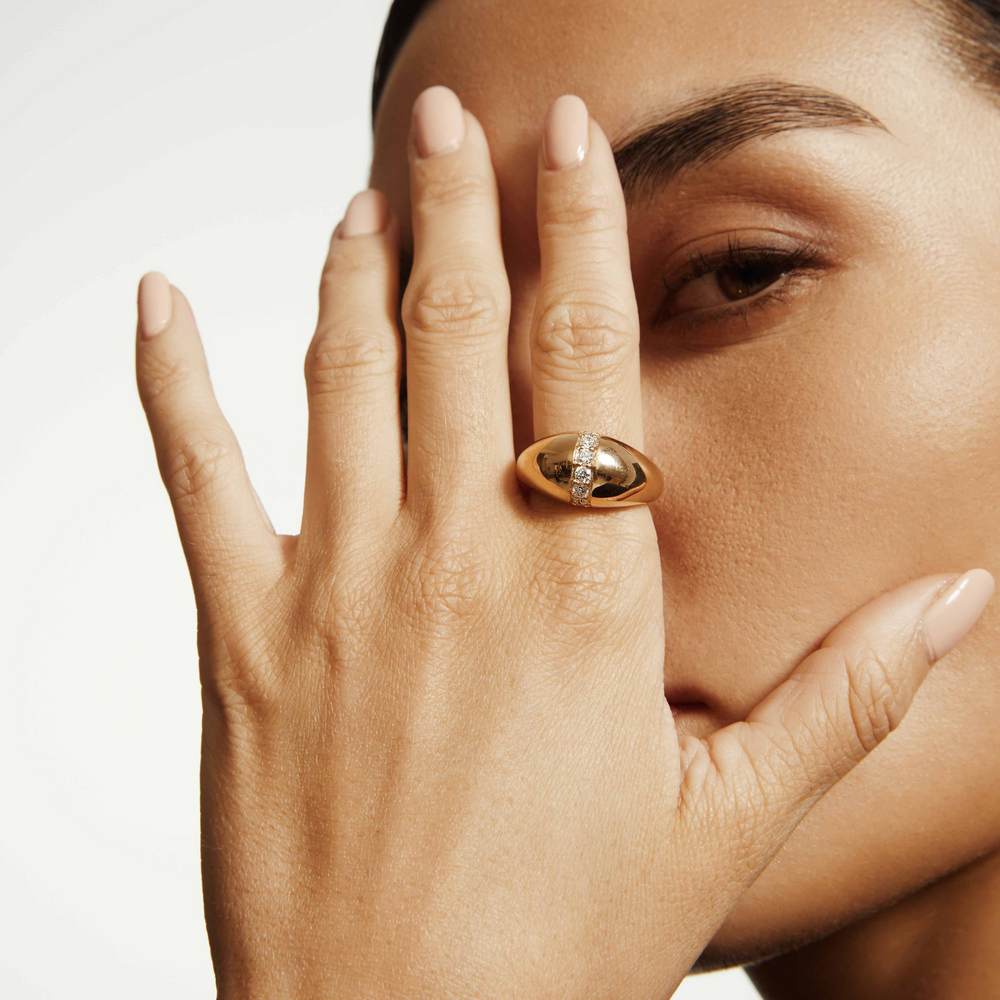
(793, 265)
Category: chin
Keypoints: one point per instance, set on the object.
(757, 929)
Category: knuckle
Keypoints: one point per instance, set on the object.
(338, 601)
(163, 376)
(749, 793)
(578, 211)
(348, 359)
(451, 579)
(872, 697)
(193, 467)
(240, 674)
(577, 584)
(585, 337)
(246, 694)
(462, 305)
(348, 259)
(444, 185)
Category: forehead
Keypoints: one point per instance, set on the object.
(632, 60)
(621, 54)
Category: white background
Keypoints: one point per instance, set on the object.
(219, 143)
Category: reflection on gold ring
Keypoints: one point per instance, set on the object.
(589, 470)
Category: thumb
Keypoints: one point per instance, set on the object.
(837, 706)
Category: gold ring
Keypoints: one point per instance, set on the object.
(589, 470)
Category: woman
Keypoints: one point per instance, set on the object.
(758, 245)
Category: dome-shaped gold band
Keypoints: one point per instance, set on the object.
(589, 470)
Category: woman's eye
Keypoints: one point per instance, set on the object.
(724, 285)
(731, 283)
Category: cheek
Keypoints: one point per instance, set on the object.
(813, 468)
(808, 472)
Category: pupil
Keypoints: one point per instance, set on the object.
(742, 282)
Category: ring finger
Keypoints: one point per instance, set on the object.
(585, 332)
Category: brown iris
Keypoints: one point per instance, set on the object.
(743, 281)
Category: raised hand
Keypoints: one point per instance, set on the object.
(437, 757)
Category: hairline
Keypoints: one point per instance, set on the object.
(966, 36)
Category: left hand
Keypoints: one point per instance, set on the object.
(437, 759)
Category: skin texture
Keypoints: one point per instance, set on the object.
(937, 943)
(437, 756)
(839, 444)
(434, 725)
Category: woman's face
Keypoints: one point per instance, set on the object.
(837, 431)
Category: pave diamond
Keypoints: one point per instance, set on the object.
(584, 457)
(586, 449)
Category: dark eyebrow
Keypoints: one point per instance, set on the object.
(713, 124)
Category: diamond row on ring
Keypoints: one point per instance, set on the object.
(584, 457)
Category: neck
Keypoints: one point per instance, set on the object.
(938, 944)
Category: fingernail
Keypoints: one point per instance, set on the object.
(566, 136)
(438, 122)
(953, 614)
(155, 304)
(367, 214)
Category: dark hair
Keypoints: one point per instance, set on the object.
(969, 37)
(968, 30)
(403, 15)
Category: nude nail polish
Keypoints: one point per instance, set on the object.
(155, 304)
(438, 122)
(566, 135)
(953, 614)
(367, 214)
